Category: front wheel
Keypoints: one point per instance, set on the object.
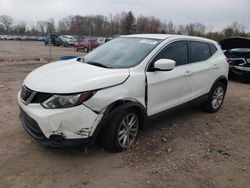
(215, 99)
(120, 132)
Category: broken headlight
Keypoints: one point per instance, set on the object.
(66, 101)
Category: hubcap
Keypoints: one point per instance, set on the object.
(217, 97)
(128, 130)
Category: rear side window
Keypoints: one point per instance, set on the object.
(212, 48)
(176, 51)
(198, 51)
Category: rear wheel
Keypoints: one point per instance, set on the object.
(216, 98)
(121, 131)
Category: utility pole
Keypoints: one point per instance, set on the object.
(50, 56)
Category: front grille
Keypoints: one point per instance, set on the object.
(40, 97)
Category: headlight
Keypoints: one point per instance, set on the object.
(66, 101)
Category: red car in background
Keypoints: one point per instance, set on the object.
(86, 45)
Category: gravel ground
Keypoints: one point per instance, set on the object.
(185, 148)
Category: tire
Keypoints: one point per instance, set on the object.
(116, 136)
(215, 99)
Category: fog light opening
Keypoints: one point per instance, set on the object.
(56, 139)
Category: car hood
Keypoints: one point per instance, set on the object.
(72, 76)
(235, 42)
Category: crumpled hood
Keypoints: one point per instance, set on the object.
(72, 76)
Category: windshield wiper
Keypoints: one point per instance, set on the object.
(97, 64)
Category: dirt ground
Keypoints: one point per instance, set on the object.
(187, 148)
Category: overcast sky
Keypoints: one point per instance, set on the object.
(216, 14)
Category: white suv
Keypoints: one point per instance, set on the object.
(67, 40)
(111, 92)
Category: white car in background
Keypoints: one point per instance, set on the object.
(67, 40)
(111, 92)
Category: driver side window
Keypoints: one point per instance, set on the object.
(176, 51)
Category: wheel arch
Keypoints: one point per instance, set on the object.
(122, 104)
(118, 106)
(221, 79)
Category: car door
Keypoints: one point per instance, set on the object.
(167, 89)
(202, 67)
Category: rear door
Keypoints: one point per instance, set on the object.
(167, 89)
(202, 66)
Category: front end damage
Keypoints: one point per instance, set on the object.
(59, 127)
(237, 50)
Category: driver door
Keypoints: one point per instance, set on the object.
(167, 89)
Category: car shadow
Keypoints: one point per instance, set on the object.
(165, 120)
(168, 118)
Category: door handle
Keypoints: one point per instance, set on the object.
(215, 66)
(187, 73)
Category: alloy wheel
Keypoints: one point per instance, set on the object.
(217, 97)
(128, 130)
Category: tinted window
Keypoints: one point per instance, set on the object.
(212, 48)
(176, 51)
(198, 51)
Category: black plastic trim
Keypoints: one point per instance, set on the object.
(198, 100)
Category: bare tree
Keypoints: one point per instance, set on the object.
(142, 24)
(128, 23)
(64, 25)
(98, 25)
(122, 23)
(235, 29)
(169, 28)
(7, 21)
(195, 29)
(20, 28)
(41, 27)
(154, 25)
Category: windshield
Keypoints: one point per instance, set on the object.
(122, 52)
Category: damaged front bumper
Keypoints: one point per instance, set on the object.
(59, 127)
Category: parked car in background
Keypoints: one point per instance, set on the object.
(111, 92)
(102, 40)
(79, 37)
(86, 45)
(52, 39)
(67, 40)
(237, 50)
(22, 37)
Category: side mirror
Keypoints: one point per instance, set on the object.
(164, 65)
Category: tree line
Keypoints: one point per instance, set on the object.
(119, 24)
